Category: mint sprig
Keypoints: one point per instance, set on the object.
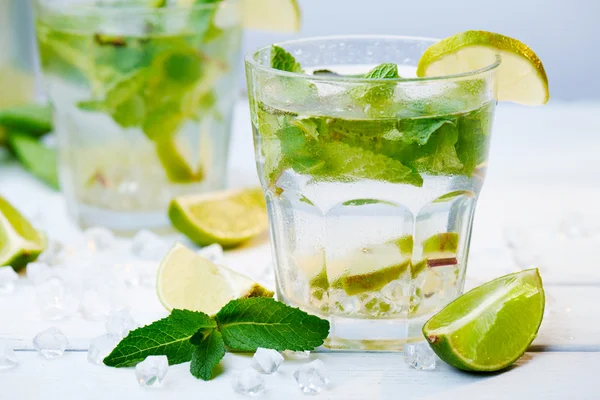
(241, 325)
(282, 60)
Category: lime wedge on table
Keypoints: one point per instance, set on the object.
(271, 15)
(521, 75)
(228, 218)
(20, 242)
(491, 326)
(188, 281)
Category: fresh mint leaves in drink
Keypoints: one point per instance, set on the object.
(282, 60)
(242, 325)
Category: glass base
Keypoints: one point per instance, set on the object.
(123, 223)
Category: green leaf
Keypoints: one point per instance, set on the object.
(207, 355)
(247, 324)
(377, 95)
(439, 155)
(33, 119)
(35, 157)
(383, 71)
(284, 61)
(419, 130)
(169, 336)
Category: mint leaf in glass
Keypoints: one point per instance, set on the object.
(169, 336)
(282, 60)
(377, 95)
(418, 130)
(210, 349)
(33, 119)
(248, 324)
(383, 71)
(37, 158)
(439, 156)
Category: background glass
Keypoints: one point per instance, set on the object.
(142, 102)
(371, 185)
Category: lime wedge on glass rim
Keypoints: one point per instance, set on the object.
(521, 75)
(490, 327)
(188, 281)
(228, 218)
(20, 242)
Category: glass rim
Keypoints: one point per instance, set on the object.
(249, 59)
(111, 9)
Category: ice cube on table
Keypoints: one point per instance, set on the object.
(38, 272)
(55, 253)
(420, 356)
(266, 361)
(248, 381)
(51, 343)
(54, 301)
(152, 371)
(8, 280)
(213, 253)
(101, 347)
(312, 378)
(120, 323)
(95, 304)
(99, 239)
(148, 246)
(8, 357)
(296, 355)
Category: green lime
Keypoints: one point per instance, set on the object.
(228, 218)
(521, 75)
(188, 281)
(490, 327)
(271, 15)
(20, 243)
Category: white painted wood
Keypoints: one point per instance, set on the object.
(353, 375)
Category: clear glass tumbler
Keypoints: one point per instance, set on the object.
(143, 99)
(371, 184)
(17, 83)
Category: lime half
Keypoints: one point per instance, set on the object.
(188, 281)
(271, 15)
(521, 75)
(228, 218)
(490, 327)
(20, 242)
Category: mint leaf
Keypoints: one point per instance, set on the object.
(383, 71)
(169, 336)
(207, 355)
(33, 119)
(35, 157)
(248, 324)
(439, 155)
(284, 61)
(419, 130)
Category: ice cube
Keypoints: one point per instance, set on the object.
(127, 272)
(99, 239)
(152, 371)
(38, 272)
(51, 343)
(248, 381)
(54, 301)
(55, 253)
(296, 355)
(312, 378)
(266, 361)
(420, 356)
(148, 246)
(120, 323)
(8, 357)
(95, 304)
(213, 253)
(8, 280)
(101, 347)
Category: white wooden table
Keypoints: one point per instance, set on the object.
(543, 167)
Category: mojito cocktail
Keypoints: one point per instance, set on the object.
(143, 94)
(371, 177)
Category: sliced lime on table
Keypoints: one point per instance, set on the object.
(490, 327)
(20, 242)
(521, 75)
(228, 218)
(271, 15)
(191, 282)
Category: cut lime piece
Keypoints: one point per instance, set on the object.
(271, 15)
(490, 327)
(228, 218)
(441, 245)
(521, 75)
(20, 243)
(188, 281)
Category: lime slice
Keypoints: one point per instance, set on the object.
(228, 218)
(271, 15)
(491, 326)
(188, 281)
(521, 75)
(20, 242)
